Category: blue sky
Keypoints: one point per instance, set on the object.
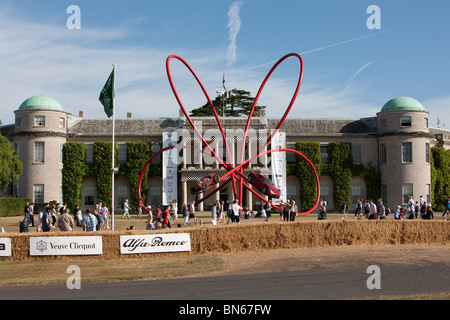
(350, 71)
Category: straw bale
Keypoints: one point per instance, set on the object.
(265, 236)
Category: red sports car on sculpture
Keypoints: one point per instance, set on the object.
(264, 184)
(205, 183)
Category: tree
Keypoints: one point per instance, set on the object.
(236, 103)
(11, 166)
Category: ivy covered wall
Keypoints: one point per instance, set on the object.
(340, 167)
(75, 169)
(440, 177)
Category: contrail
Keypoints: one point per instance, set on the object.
(359, 70)
(234, 25)
(321, 48)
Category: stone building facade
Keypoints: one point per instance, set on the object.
(396, 141)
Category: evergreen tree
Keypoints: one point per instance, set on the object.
(235, 103)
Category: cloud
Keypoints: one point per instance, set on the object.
(73, 65)
(321, 48)
(234, 25)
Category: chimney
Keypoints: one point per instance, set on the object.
(80, 114)
(128, 115)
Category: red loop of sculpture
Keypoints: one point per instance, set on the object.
(238, 171)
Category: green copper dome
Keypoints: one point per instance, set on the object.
(403, 103)
(41, 102)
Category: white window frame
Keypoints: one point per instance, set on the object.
(38, 193)
(407, 152)
(39, 121)
(39, 152)
(89, 158)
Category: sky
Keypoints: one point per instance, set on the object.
(355, 58)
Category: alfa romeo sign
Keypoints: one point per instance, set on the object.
(154, 243)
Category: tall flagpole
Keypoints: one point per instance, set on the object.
(113, 147)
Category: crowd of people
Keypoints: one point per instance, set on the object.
(98, 218)
(370, 210)
(95, 219)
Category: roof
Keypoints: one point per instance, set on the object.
(403, 103)
(41, 102)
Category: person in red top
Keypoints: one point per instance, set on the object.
(167, 223)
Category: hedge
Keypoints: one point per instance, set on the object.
(10, 207)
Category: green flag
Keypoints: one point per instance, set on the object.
(107, 95)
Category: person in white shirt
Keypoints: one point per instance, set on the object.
(126, 209)
(235, 208)
(105, 215)
(372, 210)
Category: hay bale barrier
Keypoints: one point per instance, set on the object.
(264, 236)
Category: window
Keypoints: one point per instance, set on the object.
(383, 124)
(291, 192)
(17, 149)
(122, 195)
(38, 193)
(428, 193)
(62, 123)
(89, 153)
(290, 156)
(61, 152)
(384, 194)
(356, 152)
(324, 192)
(407, 192)
(16, 191)
(324, 154)
(89, 195)
(425, 123)
(39, 121)
(122, 153)
(18, 122)
(427, 152)
(355, 194)
(383, 158)
(407, 152)
(405, 121)
(39, 152)
(155, 148)
(155, 195)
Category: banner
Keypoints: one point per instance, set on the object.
(107, 95)
(171, 242)
(5, 247)
(278, 165)
(169, 168)
(65, 246)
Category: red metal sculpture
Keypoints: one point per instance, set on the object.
(234, 173)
